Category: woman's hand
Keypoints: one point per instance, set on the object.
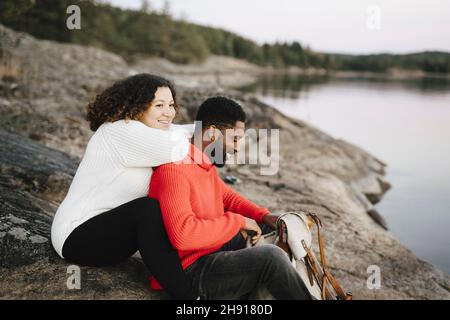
(251, 227)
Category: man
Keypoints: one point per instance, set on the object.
(208, 222)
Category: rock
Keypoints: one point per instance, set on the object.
(216, 71)
(43, 136)
(378, 218)
(231, 179)
(56, 82)
(29, 267)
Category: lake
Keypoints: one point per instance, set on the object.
(404, 123)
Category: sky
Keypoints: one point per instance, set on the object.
(334, 26)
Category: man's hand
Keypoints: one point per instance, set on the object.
(251, 227)
(270, 220)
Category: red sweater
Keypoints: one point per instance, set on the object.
(200, 212)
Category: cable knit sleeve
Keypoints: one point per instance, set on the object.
(233, 201)
(187, 129)
(137, 145)
(185, 229)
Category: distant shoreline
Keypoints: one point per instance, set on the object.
(397, 74)
(226, 72)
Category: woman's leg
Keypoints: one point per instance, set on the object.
(114, 236)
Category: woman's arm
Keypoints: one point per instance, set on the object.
(137, 145)
(188, 129)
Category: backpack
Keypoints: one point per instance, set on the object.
(293, 234)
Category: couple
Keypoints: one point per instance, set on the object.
(134, 190)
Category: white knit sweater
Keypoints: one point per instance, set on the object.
(116, 168)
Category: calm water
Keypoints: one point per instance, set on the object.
(407, 125)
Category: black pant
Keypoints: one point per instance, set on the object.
(117, 234)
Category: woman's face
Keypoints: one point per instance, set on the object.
(161, 111)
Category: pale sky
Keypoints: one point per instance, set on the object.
(344, 26)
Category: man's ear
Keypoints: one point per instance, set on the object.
(212, 129)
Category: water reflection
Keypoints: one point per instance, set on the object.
(289, 86)
(284, 85)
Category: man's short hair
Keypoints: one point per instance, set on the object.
(220, 112)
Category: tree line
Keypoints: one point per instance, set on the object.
(145, 32)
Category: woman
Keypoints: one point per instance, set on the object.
(107, 215)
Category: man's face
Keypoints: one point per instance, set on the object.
(227, 140)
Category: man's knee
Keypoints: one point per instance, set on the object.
(274, 254)
(272, 260)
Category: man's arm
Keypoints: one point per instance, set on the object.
(186, 231)
(233, 201)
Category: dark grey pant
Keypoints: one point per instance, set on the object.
(237, 272)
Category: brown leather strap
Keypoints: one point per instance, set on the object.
(312, 263)
(337, 287)
(326, 274)
(321, 249)
(326, 295)
(309, 271)
(324, 286)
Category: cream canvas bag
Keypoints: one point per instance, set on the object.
(294, 232)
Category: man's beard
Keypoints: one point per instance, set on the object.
(221, 161)
(219, 158)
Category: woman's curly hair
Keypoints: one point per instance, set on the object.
(126, 99)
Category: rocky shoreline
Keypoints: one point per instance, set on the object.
(44, 88)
